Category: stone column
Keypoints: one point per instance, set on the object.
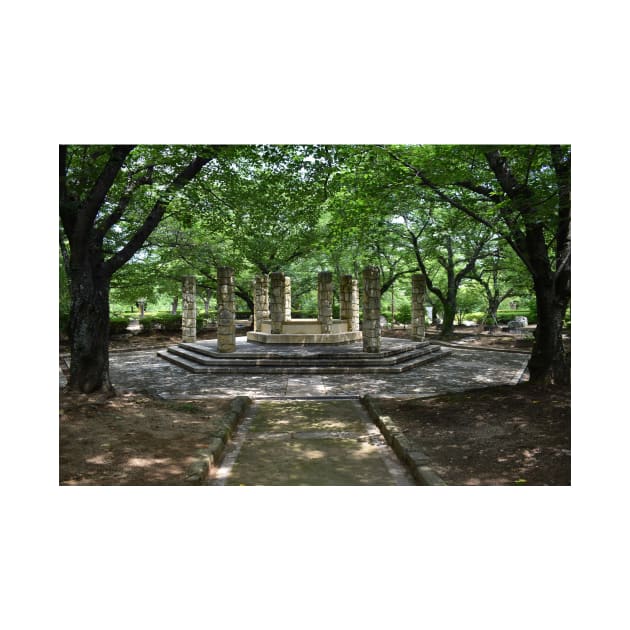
(324, 301)
(371, 309)
(189, 309)
(226, 327)
(261, 301)
(287, 299)
(276, 301)
(418, 287)
(349, 302)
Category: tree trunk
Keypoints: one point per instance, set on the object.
(448, 319)
(434, 316)
(449, 304)
(493, 306)
(89, 330)
(549, 361)
(174, 305)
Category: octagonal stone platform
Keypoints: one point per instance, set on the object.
(396, 356)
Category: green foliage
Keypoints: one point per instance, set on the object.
(403, 315)
(162, 321)
(118, 325)
(475, 316)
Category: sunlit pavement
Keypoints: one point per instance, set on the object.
(316, 442)
(463, 369)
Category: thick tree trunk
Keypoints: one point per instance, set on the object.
(89, 331)
(450, 310)
(174, 305)
(493, 307)
(549, 361)
(449, 304)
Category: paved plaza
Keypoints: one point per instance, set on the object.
(461, 370)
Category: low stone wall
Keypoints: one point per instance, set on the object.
(310, 326)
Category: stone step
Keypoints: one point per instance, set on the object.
(342, 360)
(251, 367)
(292, 352)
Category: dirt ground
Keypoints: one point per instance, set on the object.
(509, 435)
(132, 439)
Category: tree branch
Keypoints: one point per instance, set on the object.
(123, 203)
(154, 217)
(96, 197)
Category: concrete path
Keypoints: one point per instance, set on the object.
(309, 442)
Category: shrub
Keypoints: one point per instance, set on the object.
(477, 316)
(403, 316)
(162, 321)
(118, 325)
(304, 314)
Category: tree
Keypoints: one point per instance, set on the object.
(260, 213)
(523, 194)
(443, 242)
(500, 275)
(110, 200)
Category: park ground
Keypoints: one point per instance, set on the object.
(505, 435)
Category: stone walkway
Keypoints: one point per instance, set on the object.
(323, 443)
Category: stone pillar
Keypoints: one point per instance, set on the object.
(371, 309)
(189, 309)
(287, 299)
(276, 301)
(324, 301)
(349, 302)
(261, 301)
(418, 287)
(226, 326)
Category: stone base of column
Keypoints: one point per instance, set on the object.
(276, 301)
(371, 309)
(226, 325)
(418, 286)
(189, 309)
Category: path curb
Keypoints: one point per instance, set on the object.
(414, 459)
(198, 471)
(460, 346)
